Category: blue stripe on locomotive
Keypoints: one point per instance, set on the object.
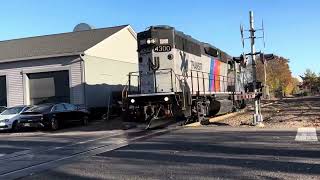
(211, 76)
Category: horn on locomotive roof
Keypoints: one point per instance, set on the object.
(161, 27)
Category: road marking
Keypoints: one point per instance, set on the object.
(2, 155)
(306, 134)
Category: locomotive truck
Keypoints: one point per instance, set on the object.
(180, 77)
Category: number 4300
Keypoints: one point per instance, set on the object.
(163, 48)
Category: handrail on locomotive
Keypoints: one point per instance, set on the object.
(174, 77)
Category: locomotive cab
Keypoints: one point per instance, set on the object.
(155, 59)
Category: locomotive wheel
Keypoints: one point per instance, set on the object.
(243, 104)
(240, 104)
(181, 114)
(177, 112)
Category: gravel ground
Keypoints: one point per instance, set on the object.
(286, 113)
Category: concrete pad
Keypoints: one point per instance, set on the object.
(260, 125)
(306, 134)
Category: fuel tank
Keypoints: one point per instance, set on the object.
(219, 107)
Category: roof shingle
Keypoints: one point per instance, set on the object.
(56, 44)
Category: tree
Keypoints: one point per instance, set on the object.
(279, 77)
(296, 83)
(311, 82)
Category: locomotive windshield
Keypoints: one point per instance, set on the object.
(164, 39)
(160, 39)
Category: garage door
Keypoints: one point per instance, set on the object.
(49, 87)
(3, 91)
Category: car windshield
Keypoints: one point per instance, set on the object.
(2, 108)
(13, 110)
(41, 108)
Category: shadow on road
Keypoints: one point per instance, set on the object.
(234, 149)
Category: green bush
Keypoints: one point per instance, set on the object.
(306, 93)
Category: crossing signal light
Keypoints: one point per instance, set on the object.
(239, 59)
(266, 57)
(242, 60)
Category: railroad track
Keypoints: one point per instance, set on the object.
(53, 157)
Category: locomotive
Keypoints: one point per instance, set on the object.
(180, 77)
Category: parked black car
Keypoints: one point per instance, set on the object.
(53, 116)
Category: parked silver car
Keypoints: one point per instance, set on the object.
(10, 117)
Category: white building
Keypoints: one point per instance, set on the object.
(79, 67)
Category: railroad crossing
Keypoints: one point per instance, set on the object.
(227, 148)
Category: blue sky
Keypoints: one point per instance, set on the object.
(292, 27)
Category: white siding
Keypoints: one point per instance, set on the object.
(77, 90)
(15, 94)
(121, 46)
(104, 76)
(108, 64)
(16, 70)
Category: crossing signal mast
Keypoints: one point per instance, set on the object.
(257, 117)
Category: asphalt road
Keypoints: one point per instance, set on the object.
(26, 153)
(184, 153)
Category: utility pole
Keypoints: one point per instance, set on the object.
(266, 87)
(257, 117)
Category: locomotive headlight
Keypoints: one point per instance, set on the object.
(151, 41)
(166, 99)
(132, 101)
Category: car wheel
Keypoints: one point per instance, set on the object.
(54, 124)
(15, 126)
(85, 120)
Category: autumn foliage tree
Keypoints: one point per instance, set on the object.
(279, 77)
